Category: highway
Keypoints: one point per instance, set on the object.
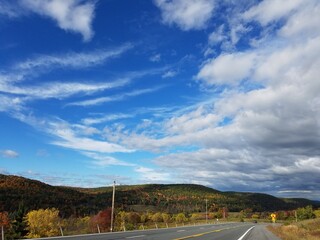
(227, 231)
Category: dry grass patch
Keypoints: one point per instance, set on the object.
(305, 230)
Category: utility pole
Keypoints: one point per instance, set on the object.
(206, 210)
(112, 209)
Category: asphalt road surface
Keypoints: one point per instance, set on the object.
(228, 231)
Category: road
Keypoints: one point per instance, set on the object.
(227, 231)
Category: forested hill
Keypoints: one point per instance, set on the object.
(171, 198)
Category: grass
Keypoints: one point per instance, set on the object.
(304, 230)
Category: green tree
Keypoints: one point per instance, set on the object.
(43, 223)
(18, 225)
(305, 213)
(317, 213)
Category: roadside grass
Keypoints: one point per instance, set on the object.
(304, 230)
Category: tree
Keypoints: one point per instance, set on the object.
(181, 218)
(157, 217)
(166, 217)
(305, 213)
(133, 217)
(43, 223)
(4, 219)
(103, 219)
(196, 216)
(144, 218)
(18, 225)
(317, 213)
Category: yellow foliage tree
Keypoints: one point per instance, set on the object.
(43, 223)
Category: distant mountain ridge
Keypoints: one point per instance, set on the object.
(171, 198)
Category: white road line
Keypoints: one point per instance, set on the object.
(136, 236)
(181, 230)
(245, 233)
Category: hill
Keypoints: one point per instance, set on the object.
(172, 198)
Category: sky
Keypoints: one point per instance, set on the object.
(219, 93)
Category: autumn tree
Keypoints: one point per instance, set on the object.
(157, 217)
(4, 221)
(144, 218)
(181, 218)
(166, 217)
(43, 223)
(133, 217)
(103, 219)
(196, 216)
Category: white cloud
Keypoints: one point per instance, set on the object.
(72, 60)
(227, 68)
(194, 121)
(11, 79)
(105, 161)
(8, 9)
(70, 138)
(217, 36)
(9, 104)
(9, 153)
(169, 74)
(71, 15)
(106, 118)
(120, 97)
(188, 15)
(269, 11)
(152, 175)
(60, 90)
(257, 135)
(295, 27)
(155, 58)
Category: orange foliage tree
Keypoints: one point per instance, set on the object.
(102, 219)
(4, 219)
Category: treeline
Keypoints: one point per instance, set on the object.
(173, 198)
(29, 224)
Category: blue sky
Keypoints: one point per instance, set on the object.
(219, 93)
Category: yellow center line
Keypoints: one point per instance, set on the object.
(205, 233)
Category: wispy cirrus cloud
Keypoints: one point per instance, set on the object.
(9, 10)
(72, 136)
(106, 118)
(74, 60)
(60, 90)
(8, 153)
(101, 160)
(152, 175)
(120, 97)
(12, 79)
